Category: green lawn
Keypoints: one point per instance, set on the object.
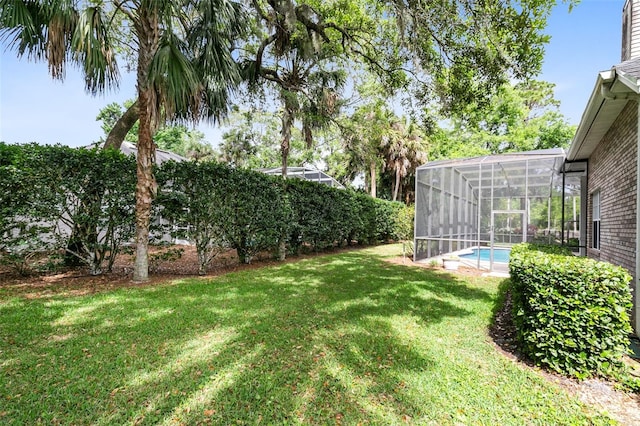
(345, 338)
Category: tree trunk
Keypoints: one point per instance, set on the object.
(285, 144)
(397, 186)
(148, 32)
(122, 127)
(372, 178)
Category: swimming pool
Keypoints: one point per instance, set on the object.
(500, 255)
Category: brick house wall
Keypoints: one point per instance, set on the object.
(612, 171)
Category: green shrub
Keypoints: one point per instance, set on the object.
(256, 211)
(571, 313)
(189, 206)
(324, 216)
(58, 198)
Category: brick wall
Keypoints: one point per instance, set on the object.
(612, 170)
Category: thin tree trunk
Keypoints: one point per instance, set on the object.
(284, 149)
(372, 178)
(397, 186)
(148, 37)
(122, 127)
(287, 122)
(285, 144)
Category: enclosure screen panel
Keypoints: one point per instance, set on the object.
(501, 199)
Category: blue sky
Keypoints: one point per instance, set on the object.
(34, 108)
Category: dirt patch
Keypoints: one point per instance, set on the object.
(77, 282)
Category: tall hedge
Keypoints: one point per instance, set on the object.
(189, 204)
(81, 202)
(324, 216)
(257, 212)
(58, 198)
(571, 313)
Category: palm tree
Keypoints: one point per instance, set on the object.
(363, 140)
(403, 150)
(298, 58)
(183, 62)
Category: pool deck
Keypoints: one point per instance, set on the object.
(500, 269)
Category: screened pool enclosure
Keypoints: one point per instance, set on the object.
(497, 201)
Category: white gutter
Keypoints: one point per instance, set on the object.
(596, 100)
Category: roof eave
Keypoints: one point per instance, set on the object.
(610, 94)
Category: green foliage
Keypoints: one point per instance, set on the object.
(218, 207)
(326, 217)
(256, 212)
(20, 227)
(519, 117)
(322, 216)
(253, 141)
(189, 206)
(58, 192)
(571, 312)
(405, 223)
(81, 202)
(176, 138)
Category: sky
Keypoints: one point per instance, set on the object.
(35, 108)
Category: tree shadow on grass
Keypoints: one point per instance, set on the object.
(321, 340)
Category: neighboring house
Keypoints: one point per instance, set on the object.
(306, 173)
(128, 148)
(606, 142)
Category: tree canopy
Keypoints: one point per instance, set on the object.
(444, 57)
(181, 52)
(520, 117)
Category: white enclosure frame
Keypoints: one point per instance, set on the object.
(494, 201)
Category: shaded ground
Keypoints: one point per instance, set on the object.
(79, 282)
(624, 407)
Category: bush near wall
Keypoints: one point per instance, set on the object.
(571, 313)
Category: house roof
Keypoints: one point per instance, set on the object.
(307, 173)
(612, 90)
(161, 155)
(128, 148)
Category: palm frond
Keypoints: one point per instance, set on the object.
(175, 79)
(92, 49)
(22, 27)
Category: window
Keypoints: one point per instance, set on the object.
(595, 201)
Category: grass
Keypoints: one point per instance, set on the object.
(337, 339)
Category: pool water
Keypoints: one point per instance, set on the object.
(500, 255)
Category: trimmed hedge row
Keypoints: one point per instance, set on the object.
(55, 198)
(571, 313)
(80, 202)
(214, 205)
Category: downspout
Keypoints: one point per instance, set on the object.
(607, 94)
(636, 305)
